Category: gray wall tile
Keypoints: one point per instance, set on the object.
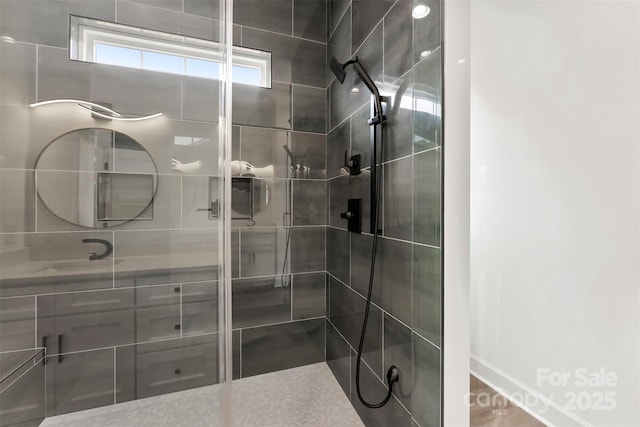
(337, 145)
(23, 403)
(165, 4)
(262, 251)
(46, 23)
(307, 249)
(206, 8)
(256, 106)
(398, 129)
(310, 150)
(339, 44)
(427, 293)
(200, 99)
(336, 10)
(17, 73)
(272, 15)
(309, 109)
(372, 389)
(427, 33)
(17, 197)
(338, 254)
(428, 99)
(263, 148)
(293, 60)
(426, 370)
(309, 202)
(277, 347)
(261, 301)
(349, 187)
(398, 199)
(308, 296)
(361, 135)
(346, 312)
(397, 41)
(339, 358)
(397, 352)
(392, 284)
(310, 19)
(426, 197)
(170, 21)
(366, 15)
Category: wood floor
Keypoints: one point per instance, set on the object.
(490, 409)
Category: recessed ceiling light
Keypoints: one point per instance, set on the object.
(425, 53)
(420, 11)
(355, 90)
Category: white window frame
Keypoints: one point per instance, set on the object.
(86, 34)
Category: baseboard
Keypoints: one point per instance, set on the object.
(508, 386)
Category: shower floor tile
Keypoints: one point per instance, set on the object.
(307, 396)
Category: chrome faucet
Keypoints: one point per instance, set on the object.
(94, 255)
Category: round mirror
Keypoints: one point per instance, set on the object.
(96, 178)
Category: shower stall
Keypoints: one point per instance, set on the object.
(174, 248)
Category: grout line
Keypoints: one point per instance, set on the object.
(37, 55)
(240, 357)
(35, 311)
(181, 313)
(425, 339)
(115, 380)
(344, 12)
(293, 17)
(280, 34)
(181, 201)
(283, 323)
(35, 205)
(382, 347)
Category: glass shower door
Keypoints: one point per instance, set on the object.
(112, 191)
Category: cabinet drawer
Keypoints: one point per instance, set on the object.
(157, 295)
(84, 302)
(157, 323)
(166, 371)
(86, 331)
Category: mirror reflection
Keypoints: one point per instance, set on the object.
(96, 178)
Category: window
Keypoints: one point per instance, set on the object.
(121, 45)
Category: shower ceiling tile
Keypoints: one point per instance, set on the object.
(47, 22)
(272, 15)
(310, 19)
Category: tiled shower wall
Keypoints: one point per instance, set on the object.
(403, 55)
(279, 318)
(145, 323)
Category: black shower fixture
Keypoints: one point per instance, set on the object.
(377, 118)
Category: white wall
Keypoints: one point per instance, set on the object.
(555, 190)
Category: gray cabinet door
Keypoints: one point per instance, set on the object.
(23, 402)
(165, 370)
(158, 323)
(80, 381)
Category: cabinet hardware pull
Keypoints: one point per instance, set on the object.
(44, 344)
(60, 351)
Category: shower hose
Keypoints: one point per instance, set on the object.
(392, 372)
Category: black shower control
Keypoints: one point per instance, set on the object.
(353, 215)
(353, 164)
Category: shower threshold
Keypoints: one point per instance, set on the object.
(304, 396)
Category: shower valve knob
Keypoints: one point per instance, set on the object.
(353, 215)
